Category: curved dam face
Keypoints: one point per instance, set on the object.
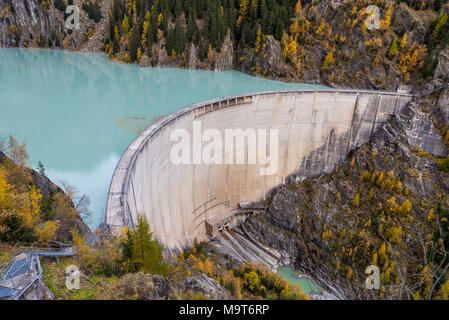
(166, 173)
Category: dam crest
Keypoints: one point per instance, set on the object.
(181, 202)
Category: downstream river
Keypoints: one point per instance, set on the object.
(308, 286)
(77, 112)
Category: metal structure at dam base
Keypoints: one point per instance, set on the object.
(181, 202)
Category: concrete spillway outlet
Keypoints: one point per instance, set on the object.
(315, 131)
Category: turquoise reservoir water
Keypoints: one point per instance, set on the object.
(77, 112)
(307, 285)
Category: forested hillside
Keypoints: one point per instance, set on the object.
(310, 41)
(321, 41)
(204, 23)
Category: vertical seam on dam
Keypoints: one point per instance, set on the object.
(350, 144)
(379, 99)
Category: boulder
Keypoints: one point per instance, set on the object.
(225, 59)
(206, 286)
(161, 287)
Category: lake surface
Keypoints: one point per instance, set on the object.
(307, 285)
(77, 112)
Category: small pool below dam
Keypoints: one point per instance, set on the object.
(77, 112)
(308, 286)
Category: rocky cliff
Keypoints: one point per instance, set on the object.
(225, 59)
(26, 22)
(34, 23)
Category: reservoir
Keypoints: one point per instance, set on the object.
(77, 112)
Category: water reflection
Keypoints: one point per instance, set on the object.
(90, 182)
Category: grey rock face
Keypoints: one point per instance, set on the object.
(225, 59)
(38, 291)
(193, 60)
(406, 19)
(28, 19)
(443, 106)
(292, 222)
(207, 286)
(96, 42)
(145, 61)
(273, 60)
(164, 60)
(34, 23)
(161, 287)
(441, 74)
(420, 130)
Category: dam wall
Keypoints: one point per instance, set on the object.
(315, 131)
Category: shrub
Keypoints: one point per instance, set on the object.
(444, 164)
(60, 5)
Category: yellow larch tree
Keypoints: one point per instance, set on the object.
(125, 24)
(298, 8)
(46, 231)
(328, 60)
(259, 39)
(144, 34)
(404, 41)
(160, 17)
(244, 7)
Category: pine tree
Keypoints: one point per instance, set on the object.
(142, 252)
(179, 37)
(134, 43)
(60, 5)
(170, 41)
(192, 30)
(115, 45)
(279, 29)
(265, 21)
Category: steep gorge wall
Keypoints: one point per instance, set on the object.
(316, 130)
(37, 23)
(23, 21)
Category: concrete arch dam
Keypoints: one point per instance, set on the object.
(315, 130)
